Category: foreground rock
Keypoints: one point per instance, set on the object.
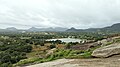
(107, 51)
(94, 62)
(55, 63)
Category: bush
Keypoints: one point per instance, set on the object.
(6, 65)
(52, 46)
(26, 61)
(79, 54)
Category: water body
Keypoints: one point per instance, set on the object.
(67, 40)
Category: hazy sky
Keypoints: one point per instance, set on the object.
(59, 13)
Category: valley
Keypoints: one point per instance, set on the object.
(34, 48)
(59, 33)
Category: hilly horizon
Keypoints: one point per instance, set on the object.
(114, 27)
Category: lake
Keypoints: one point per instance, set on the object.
(67, 40)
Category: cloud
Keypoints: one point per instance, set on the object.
(59, 13)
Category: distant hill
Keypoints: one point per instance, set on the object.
(74, 30)
(83, 30)
(11, 29)
(47, 29)
(113, 28)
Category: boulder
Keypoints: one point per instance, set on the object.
(106, 41)
(107, 51)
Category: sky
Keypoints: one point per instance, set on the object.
(80, 14)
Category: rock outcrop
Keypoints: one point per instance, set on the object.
(107, 51)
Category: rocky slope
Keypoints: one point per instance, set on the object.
(96, 62)
(107, 51)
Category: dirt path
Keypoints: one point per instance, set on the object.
(96, 62)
